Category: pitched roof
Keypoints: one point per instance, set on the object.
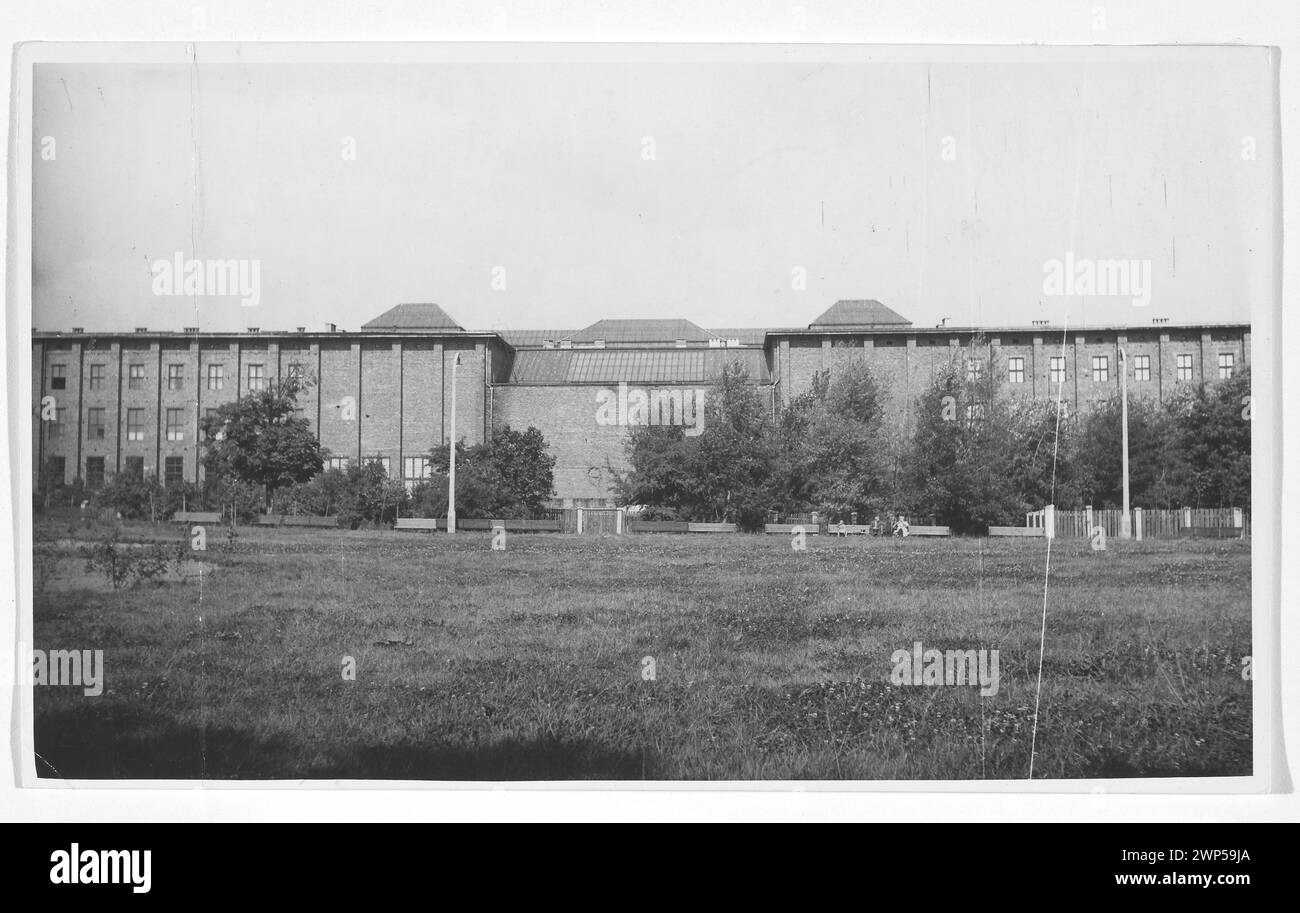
(642, 331)
(520, 338)
(413, 317)
(858, 313)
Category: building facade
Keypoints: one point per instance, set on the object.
(114, 402)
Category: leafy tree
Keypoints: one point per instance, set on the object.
(964, 448)
(260, 440)
(836, 443)
(1212, 443)
(513, 475)
(246, 499)
(1043, 466)
(724, 473)
(369, 495)
(1154, 465)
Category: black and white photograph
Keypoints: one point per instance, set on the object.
(646, 413)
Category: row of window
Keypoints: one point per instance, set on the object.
(135, 422)
(133, 467)
(1100, 368)
(135, 376)
(414, 468)
(173, 423)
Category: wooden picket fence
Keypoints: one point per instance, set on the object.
(1186, 522)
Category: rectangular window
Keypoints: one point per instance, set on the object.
(135, 424)
(339, 463)
(1226, 360)
(174, 470)
(1141, 367)
(216, 377)
(55, 428)
(94, 424)
(1016, 369)
(974, 413)
(256, 379)
(1056, 369)
(1100, 369)
(175, 424)
(1184, 367)
(414, 469)
(96, 377)
(134, 468)
(974, 369)
(58, 469)
(94, 472)
(135, 377)
(295, 372)
(175, 377)
(58, 377)
(381, 460)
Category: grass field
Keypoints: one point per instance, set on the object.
(527, 664)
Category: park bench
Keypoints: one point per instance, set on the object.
(528, 525)
(517, 525)
(477, 524)
(929, 531)
(810, 528)
(196, 516)
(295, 520)
(658, 526)
(710, 527)
(848, 529)
(1023, 531)
(420, 523)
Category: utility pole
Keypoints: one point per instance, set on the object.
(1126, 520)
(451, 476)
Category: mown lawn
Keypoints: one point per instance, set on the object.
(527, 664)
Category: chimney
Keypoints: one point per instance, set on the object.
(142, 329)
(191, 330)
(302, 329)
(78, 329)
(332, 327)
(254, 329)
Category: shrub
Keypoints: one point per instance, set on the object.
(120, 565)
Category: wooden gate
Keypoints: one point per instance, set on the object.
(593, 521)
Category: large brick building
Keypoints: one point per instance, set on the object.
(109, 402)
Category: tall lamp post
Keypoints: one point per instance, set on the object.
(1126, 519)
(451, 475)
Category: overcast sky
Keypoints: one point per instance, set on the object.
(541, 171)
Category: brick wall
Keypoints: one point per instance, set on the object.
(400, 389)
(566, 416)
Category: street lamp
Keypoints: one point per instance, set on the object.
(1126, 519)
(451, 475)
